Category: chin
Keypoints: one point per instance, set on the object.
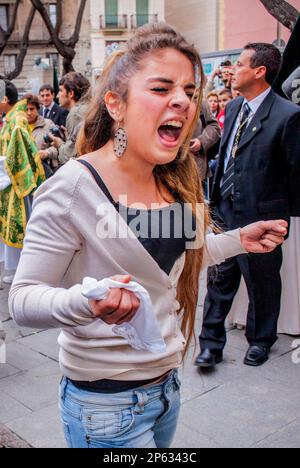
(165, 158)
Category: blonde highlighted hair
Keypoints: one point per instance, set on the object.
(181, 176)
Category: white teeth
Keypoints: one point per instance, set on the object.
(174, 123)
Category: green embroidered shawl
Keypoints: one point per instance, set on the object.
(24, 167)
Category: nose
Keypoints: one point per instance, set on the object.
(180, 101)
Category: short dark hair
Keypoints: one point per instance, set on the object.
(33, 100)
(225, 92)
(266, 55)
(47, 87)
(11, 92)
(77, 83)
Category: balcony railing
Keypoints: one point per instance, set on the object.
(113, 22)
(139, 20)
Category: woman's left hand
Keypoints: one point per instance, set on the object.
(263, 236)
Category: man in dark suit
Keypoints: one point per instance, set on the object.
(257, 178)
(51, 110)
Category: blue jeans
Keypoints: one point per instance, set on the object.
(138, 418)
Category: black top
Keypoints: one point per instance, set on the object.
(163, 232)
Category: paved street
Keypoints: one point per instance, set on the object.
(233, 406)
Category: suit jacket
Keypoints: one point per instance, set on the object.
(58, 114)
(208, 131)
(267, 164)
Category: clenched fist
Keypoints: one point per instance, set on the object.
(119, 307)
(263, 236)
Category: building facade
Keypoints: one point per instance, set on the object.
(114, 21)
(220, 28)
(105, 24)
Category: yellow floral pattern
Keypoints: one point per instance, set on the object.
(25, 169)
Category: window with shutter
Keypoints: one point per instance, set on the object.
(111, 13)
(142, 12)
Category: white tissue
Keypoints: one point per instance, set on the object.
(143, 331)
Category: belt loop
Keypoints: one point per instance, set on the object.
(176, 379)
(142, 398)
(63, 388)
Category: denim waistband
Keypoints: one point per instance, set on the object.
(141, 395)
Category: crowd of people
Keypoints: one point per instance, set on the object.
(148, 135)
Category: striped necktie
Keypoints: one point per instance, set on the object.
(227, 184)
(46, 112)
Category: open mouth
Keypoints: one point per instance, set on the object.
(170, 131)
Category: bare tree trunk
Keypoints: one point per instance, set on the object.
(23, 47)
(5, 35)
(65, 48)
(283, 11)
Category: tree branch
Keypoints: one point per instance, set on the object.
(283, 11)
(23, 47)
(62, 49)
(59, 16)
(65, 48)
(6, 34)
(75, 36)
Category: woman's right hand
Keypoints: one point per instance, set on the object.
(120, 305)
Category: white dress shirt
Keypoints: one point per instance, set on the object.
(254, 105)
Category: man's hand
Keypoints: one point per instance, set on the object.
(216, 72)
(263, 236)
(195, 145)
(56, 141)
(44, 154)
(120, 305)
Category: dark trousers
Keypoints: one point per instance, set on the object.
(262, 276)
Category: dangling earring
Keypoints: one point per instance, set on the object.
(120, 142)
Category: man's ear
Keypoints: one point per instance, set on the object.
(71, 94)
(261, 72)
(5, 100)
(114, 105)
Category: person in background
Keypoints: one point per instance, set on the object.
(224, 75)
(40, 128)
(225, 96)
(257, 177)
(49, 109)
(213, 101)
(24, 171)
(74, 95)
(207, 135)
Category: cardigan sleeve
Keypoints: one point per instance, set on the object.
(221, 246)
(36, 298)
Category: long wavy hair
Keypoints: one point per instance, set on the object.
(181, 176)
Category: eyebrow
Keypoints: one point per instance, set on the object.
(167, 81)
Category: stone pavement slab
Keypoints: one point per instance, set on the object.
(44, 343)
(11, 409)
(35, 388)
(287, 437)
(14, 331)
(6, 370)
(41, 429)
(186, 437)
(23, 358)
(243, 412)
(281, 371)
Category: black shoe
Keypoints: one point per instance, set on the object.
(209, 358)
(256, 356)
